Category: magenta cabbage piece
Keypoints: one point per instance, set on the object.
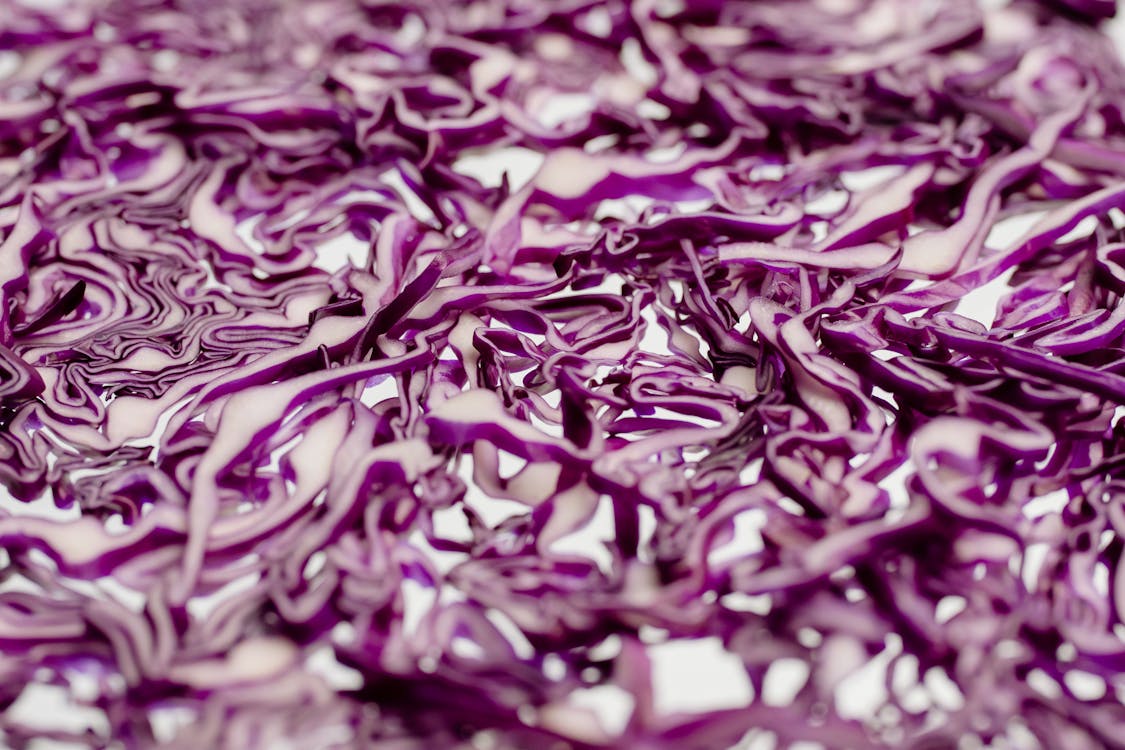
(421, 374)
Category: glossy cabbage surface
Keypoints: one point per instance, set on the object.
(561, 375)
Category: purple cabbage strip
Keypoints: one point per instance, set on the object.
(411, 374)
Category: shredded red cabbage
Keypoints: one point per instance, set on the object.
(524, 375)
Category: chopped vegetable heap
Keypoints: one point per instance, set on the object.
(562, 375)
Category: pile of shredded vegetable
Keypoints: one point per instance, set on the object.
(561, 375)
